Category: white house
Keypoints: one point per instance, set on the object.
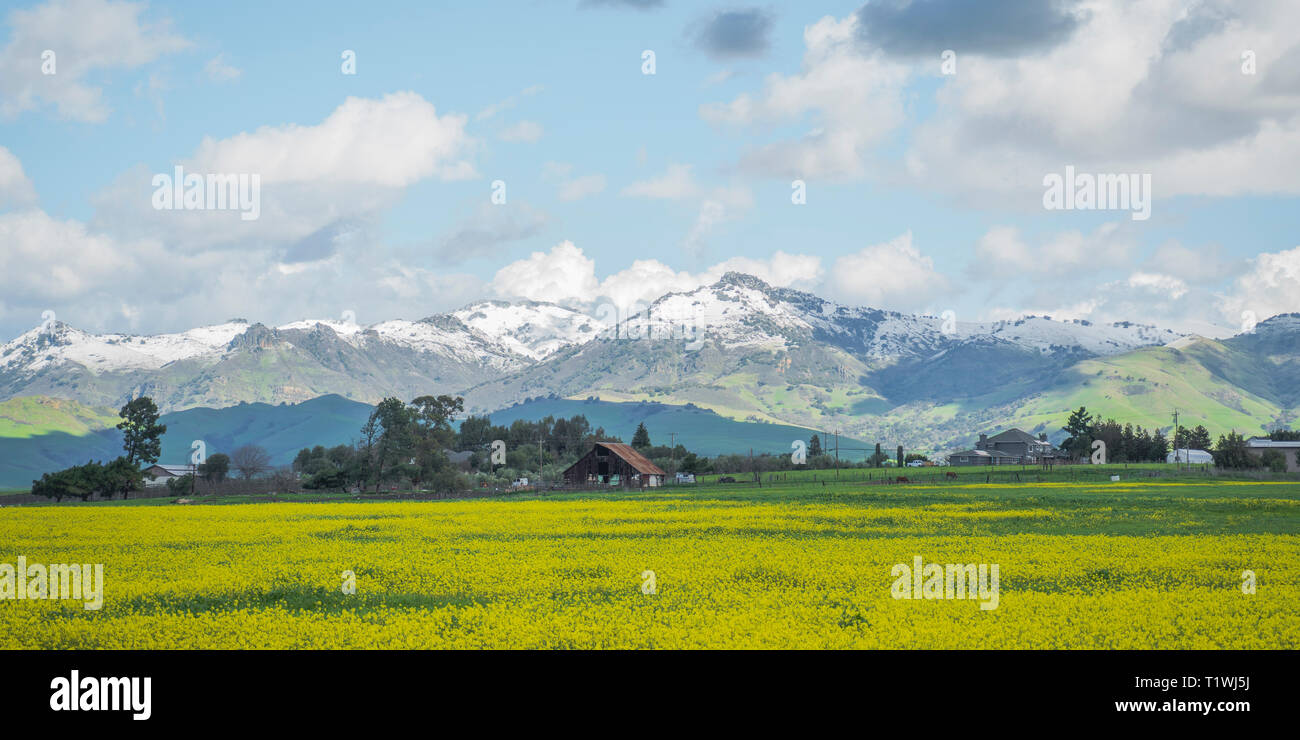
(163, 473)
(1185, 456)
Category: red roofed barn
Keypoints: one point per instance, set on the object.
(613, 463)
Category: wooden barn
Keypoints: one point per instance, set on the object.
(615, 464)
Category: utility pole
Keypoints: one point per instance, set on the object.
(837, 454)
(673, 445)
(1177, 461)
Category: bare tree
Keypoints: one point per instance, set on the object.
(250, 461)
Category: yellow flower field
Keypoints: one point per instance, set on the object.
(1118, 566)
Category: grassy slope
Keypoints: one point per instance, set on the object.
(31, 416)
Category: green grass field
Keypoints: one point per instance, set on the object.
(1143, 563)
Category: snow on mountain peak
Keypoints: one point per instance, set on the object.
(533, 329)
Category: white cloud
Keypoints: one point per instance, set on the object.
(346, 169)
(45, 260)
(893, 275)
(854, 100)
(394, 141)
(1003, 250)
(717, 205)
(15, 188)
(86, 36)
(1153, 87)
(96, 282)
(218, 71)
(528, 131)
(562, 275)
(566, 275)
(1270, 287)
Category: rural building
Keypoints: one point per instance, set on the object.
(1012, 447)
(1184, 455)
(1258, 445)
(163, 473)
(615, 464)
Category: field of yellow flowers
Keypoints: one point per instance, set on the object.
(1115, 565)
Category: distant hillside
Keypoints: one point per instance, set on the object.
(70, 433)
(700, 430)
(282, 430)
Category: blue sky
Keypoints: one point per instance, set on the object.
(924, 190)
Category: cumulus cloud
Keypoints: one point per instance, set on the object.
(1003, 249)
(86, 38)
(735, 33)
(852, 98)
(566, 275)
(346, 169)
(97, 282)
(893, 274)
(1114, 87)
(15, 188)
(561, 275)
(1154, 87)
(1270, 286)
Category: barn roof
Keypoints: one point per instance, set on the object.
(640, 463)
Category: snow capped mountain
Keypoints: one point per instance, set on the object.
(59, 343)
(501, 352)
(742, 311)
(530, 328)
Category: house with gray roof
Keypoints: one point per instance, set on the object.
(1012, 447)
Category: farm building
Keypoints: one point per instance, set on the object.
(163, 473)
(1184, 455)
(1012, 447)
(1291, 449)
(615, 464)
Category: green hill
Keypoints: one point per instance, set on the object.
(701, 431)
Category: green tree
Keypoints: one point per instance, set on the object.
(216, 467)
(815, 445)
(1199, 438)
(642, 436)
(391, 441)
(141, 432)
(1079, 427)
(1231, 452)
(900, 456)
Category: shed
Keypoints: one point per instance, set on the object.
(614, 463)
